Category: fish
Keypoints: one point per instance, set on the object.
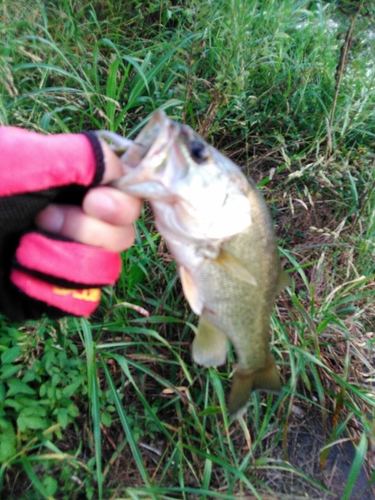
(218, 228)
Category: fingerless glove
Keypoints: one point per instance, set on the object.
(39, 272)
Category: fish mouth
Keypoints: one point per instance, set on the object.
(153, 141)
(145, 162)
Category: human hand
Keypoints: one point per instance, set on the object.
(105, 218)
(59, 168)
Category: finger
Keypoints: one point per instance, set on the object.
(73, 223)
(112, 206)
(112, 164)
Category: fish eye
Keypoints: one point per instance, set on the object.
(198, 151)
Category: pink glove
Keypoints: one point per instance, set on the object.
(40, 272)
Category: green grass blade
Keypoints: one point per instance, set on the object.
(35, 481)
(359, 459)
(92, 379)
(125, 425)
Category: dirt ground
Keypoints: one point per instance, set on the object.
(306, 439)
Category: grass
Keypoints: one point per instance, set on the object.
(114, 407)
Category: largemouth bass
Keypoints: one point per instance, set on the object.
(219, 230)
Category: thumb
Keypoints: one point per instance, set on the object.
(112, 165)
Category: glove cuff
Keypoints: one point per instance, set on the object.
(98, 155)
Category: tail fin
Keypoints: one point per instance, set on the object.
(246, 381)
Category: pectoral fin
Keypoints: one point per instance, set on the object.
(210, 345)
(233, 266)
(191, 291)
(246, 381)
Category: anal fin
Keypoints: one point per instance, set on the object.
(283, 281)
(210, 346)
